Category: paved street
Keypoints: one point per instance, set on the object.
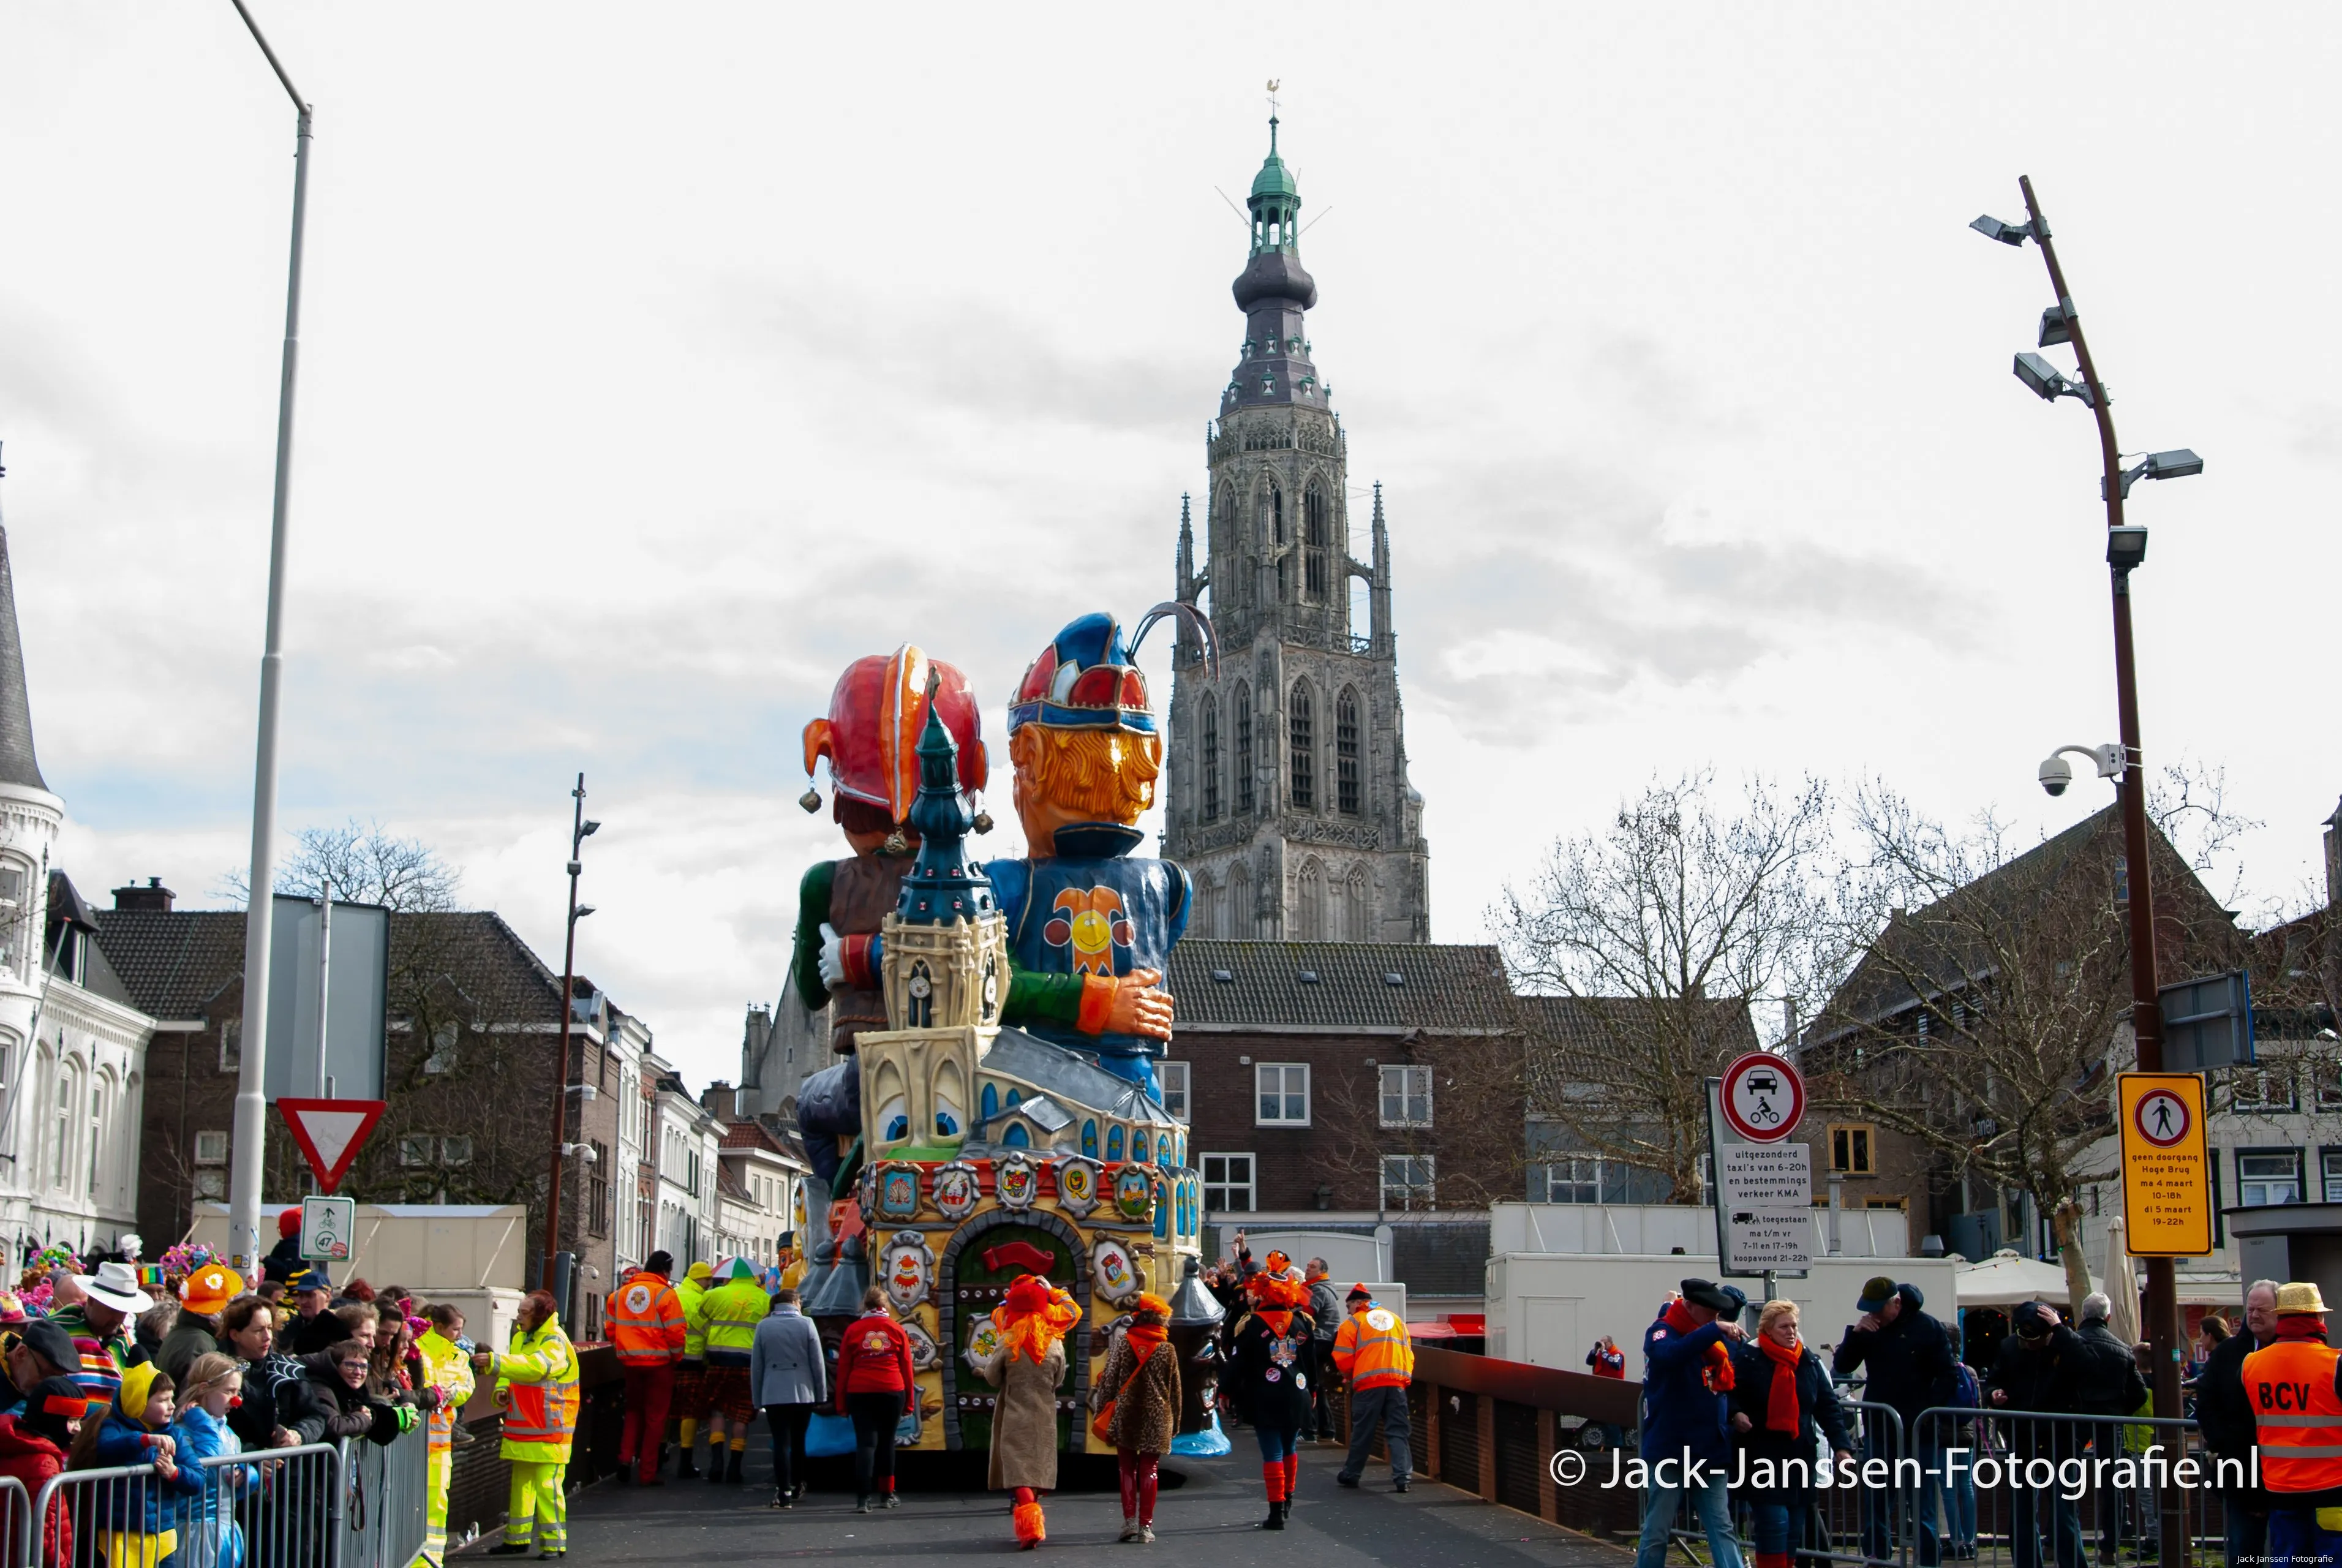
(1208, 1519)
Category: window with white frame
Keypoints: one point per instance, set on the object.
(211, 1147)
(2268, 1176)
(2326, 1081)
(414, 1150)
(2330, 1172)
(1281, 1094)
(1407, 1181)
(1227, 1184)
(1407, 1096)
(2261, 1088)
(458, 1150)
(1173, 1076)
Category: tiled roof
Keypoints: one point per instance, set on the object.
(751, 1135)
(173, 962)
(1440, 988)
(1562, 1027)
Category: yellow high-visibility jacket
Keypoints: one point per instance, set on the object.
(536, 1383)
(447, 1367)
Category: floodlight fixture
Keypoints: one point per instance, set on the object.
(2125, 546)
(2056, 324)
(2045, 380)
(588, 828)
(1992, 228)
(2180, 464)
(583, 911)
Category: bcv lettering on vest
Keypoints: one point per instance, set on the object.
(2284, 1396)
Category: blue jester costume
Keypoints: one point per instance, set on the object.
(1082, 909)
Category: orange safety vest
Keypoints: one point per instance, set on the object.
(2297, 1414)
(1371, 1347)
(646, 1320)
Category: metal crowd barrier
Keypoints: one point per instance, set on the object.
(2005, 1476)
(16, 1523)
(356, 1504)
(1869, 1525)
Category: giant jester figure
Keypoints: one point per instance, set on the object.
(870, 737)
(1090, 925)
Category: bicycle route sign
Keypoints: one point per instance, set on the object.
(1763, 1098)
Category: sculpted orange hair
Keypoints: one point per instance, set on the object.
(1105, 775)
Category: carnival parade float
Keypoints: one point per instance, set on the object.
(993, 1111)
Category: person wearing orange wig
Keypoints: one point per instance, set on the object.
(1273, 1356)
(1026, 1369)
(1141, 1385)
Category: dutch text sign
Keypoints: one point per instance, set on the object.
(2166, 1175)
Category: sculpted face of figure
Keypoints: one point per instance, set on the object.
(1068, 776)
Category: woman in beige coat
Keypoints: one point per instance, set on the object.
(1142, 1380)
(1026, 1369)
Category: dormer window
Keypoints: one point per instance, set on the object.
(1267, 385)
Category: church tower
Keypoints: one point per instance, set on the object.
(1287, 799)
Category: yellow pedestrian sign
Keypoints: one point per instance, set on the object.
(2166, 1170)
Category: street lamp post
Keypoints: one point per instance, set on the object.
(579, 831)
(251, 1097)
(2125, 550)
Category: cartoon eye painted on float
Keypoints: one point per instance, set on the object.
(895, 1119)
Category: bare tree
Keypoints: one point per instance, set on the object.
(1665, 926)
(365, 863)
(1992, 1003)
(1468, 1124)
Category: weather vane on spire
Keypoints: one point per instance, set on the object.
(1272, 117)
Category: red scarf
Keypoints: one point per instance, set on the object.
(1781, 1401)
(1718, 1374)
(2300, 1325)
(1278, 1321)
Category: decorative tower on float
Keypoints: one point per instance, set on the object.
(980, 1153)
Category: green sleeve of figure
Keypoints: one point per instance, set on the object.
(1042, 998)
(813, 909)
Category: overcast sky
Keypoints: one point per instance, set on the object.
(657, 360)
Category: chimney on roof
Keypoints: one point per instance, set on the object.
(154, 898)
(723, 1102)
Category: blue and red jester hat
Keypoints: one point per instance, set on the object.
(1085, 915)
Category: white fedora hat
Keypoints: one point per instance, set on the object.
(117, 1285)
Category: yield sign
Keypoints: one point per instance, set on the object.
(331, 1132)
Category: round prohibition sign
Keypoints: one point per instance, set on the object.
(2161, 1117)
(1763, 1098)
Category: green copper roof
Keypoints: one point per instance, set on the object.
(1275, 179)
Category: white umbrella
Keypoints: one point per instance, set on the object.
(2122, 1286)
(2007, 1278)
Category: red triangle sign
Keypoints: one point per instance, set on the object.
(331, 1133)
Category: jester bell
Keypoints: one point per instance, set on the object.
(1090, 925)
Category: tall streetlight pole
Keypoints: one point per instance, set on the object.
(251, 1100)
(2125, 549)
(579, 831)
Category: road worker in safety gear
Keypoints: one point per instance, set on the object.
(647, 1329)
(536, 1384)
(726, 1318)
(2294, 1385)
(1371, 1350)
(448, 1370)
(691, 1374)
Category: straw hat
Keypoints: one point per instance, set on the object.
(2298, 1298)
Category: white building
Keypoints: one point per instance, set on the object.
(73, 1049)
(687, 1207)
(762, 1176)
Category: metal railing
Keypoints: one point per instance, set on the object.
(16, 1523)
(355, 1505)
(2062, 1479)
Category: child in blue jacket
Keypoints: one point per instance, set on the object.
(138, 1518)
